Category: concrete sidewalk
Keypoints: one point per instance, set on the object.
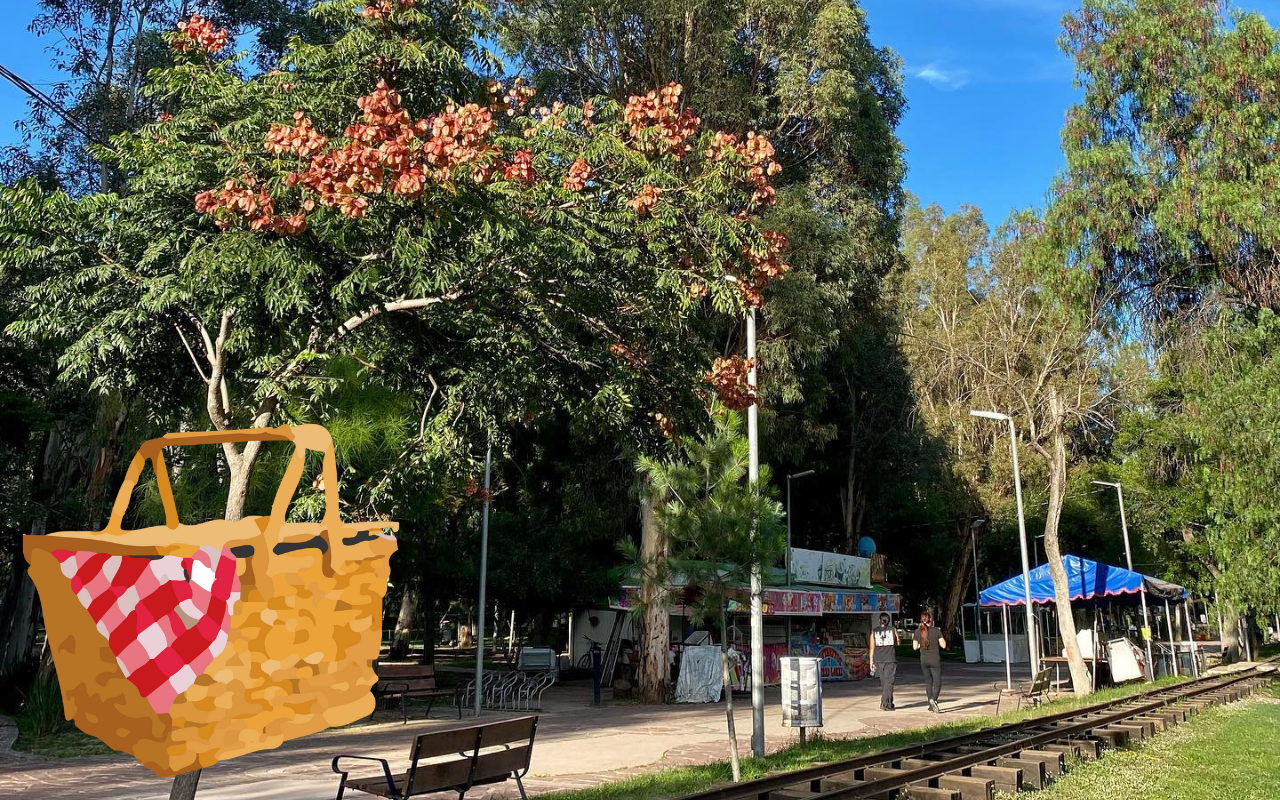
(578, 746)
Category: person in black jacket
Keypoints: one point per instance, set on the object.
(930, 643)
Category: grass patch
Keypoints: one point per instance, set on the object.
(687, 780)
(64, 741)
(1225, 753)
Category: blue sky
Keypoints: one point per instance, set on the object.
(986, 84)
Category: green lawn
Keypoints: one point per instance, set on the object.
(1227, 753)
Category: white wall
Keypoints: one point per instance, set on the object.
(581, 628)
(993, 649)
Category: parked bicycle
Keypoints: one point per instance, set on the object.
(593, 646)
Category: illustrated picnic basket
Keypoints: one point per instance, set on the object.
(184, 645)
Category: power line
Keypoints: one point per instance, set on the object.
(48, 102)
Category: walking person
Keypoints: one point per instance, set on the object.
(884, 660)
(930, 642)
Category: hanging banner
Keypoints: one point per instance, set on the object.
(782, 601)
(830, 569)
(860, 602)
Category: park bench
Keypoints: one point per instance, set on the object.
(1034, 691)
(453, 760)
(407, 681)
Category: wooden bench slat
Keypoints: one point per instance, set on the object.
(508, 731)
(458, 741)
(503, 763)
(440, 775)
(375, 786)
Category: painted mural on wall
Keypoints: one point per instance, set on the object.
(836, 662)
(830, 569)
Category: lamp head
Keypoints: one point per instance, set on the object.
(804, 474)
(977, 523)
(989, 415)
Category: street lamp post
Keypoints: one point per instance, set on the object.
(1033, 648)
(757, 569)
(484, 577)
(977, 592)
(794, 476)
(1128, 555)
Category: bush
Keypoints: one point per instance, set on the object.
(43, 707)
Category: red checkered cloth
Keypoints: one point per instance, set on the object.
(165, 618)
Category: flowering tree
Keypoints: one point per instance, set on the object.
(377, 197)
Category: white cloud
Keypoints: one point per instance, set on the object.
(943, 78)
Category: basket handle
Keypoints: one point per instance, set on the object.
(305, 437)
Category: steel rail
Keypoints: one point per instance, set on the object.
(923, 774)
(1025, 733)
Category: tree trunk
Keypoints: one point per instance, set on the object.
(430, 625)
(960, 576)
(409, 601)
(1080, 680)
(237, 492)
(108, 78)
(734, 762)
(103, 463)
(1231, 646)
(654, 679)
(849, 494)
(18, 622)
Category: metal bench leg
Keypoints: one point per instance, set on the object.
(404, 708)
(431, 701)
(520, 785)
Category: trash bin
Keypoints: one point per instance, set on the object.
(801, 694)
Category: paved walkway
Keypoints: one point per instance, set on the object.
(578, 746)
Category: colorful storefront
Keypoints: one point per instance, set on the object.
(826, 611)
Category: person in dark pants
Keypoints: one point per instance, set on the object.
(884, 660)
(929, 641)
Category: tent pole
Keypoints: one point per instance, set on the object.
(1097, 626)
(1147, 633)
(1008, 666)
(1191, 637)
(1168, 623)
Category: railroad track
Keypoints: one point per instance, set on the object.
(1010, 758)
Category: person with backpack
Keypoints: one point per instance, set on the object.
(930, 643)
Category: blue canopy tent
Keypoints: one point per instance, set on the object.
(1089, 582)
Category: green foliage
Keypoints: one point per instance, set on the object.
(528, 298)
(717, 524)
(1171, 155)
(1204, 448)
(809, 78)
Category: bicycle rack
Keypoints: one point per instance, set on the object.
(510, 691)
